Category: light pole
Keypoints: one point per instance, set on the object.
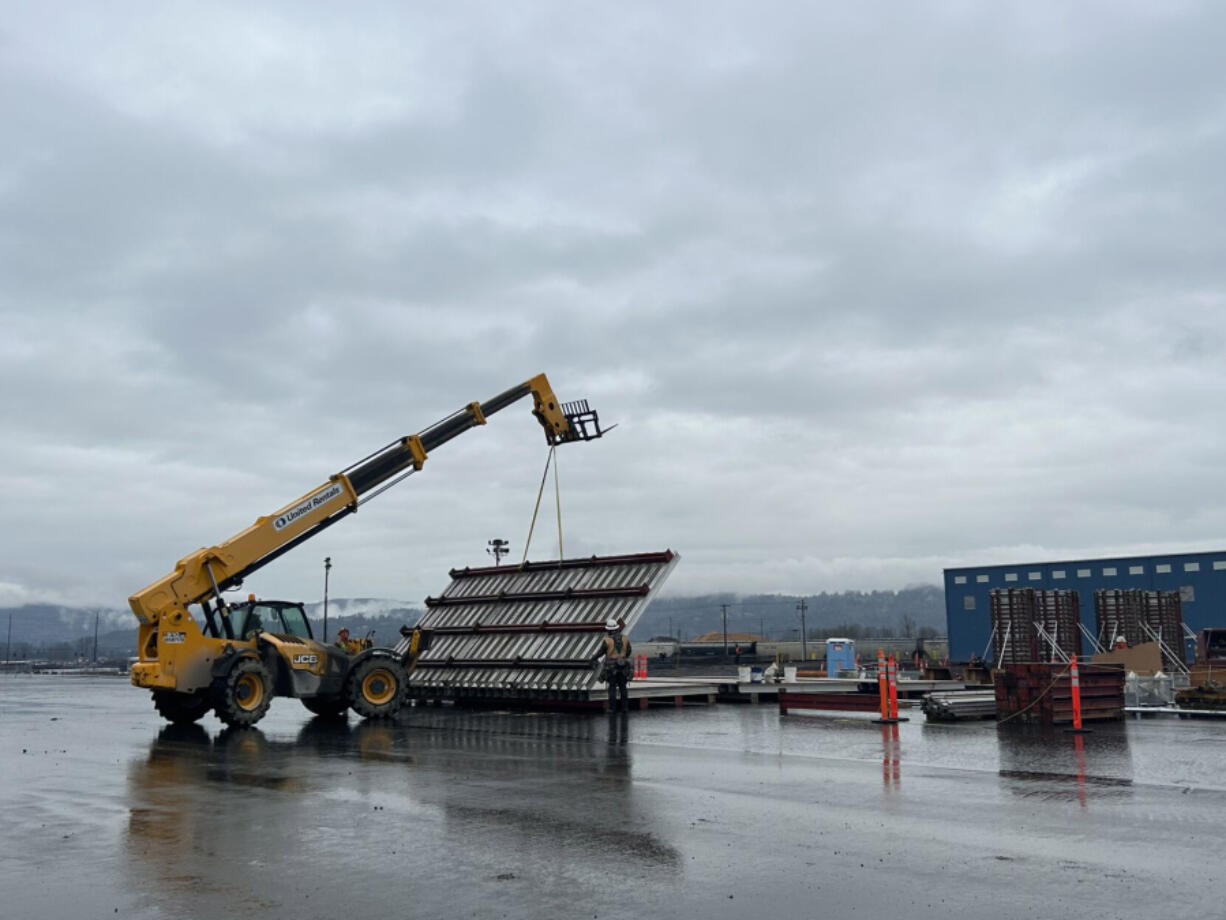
(327, 569)
(95, 637)
(498, 549)
(724, 607)
(804, 646)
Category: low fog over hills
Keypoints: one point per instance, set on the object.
(45, 630)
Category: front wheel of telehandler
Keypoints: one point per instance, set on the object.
(376, 688)
(242, 696)
(181, 708)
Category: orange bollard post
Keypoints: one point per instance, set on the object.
(881, 691)
(1075, 683)
(883, 683)
(892, 676)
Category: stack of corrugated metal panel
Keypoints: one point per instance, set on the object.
(1119, 613)
(1043, 692)
(1012, 625)
(1164, 617)
(1140, 616)
(532, 631)
(1015, 613)
(1059, 612)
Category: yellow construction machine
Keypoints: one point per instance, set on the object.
(234, 658)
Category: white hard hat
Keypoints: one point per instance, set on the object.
(611, 625)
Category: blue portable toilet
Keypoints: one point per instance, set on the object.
(840, 656)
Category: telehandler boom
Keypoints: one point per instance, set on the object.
(238, 657)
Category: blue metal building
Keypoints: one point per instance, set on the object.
(1199, 577)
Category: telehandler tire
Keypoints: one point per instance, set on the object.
(375, 688)
(242, 696)
(182, 708)
(330, 707)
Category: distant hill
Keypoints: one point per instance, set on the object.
(38, 628)
(47, 630)
(57, 632)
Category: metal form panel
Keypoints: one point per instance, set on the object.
(1119, 614)
(1059, 613)
(1164, 616)
(1018, 614)
(1042, 692)
(1012, 626)
(1139, 617)
(531, 631)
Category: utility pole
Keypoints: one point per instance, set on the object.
(327, 569)
(498, 549)
(8, 654)
(95, 659)
(724, 608)
(670, 628)
(804, 645)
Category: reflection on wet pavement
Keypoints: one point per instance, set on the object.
(712, 811)
(891, 757)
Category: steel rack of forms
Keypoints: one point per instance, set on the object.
(531, 634)
(1032, 625)
(1042, 692)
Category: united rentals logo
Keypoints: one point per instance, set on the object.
(307, 505)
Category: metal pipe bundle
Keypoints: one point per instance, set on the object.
(959, 705)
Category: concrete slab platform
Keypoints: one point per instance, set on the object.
(646, 691)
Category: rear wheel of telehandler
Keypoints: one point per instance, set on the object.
(181, 708)
(376, 688)
(242, 697)
(329, 707)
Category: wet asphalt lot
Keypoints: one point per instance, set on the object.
(703, 812)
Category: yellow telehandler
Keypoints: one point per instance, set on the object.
(237, 657)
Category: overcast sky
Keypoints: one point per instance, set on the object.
(870, 290)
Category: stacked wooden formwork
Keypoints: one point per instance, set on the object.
(1138, 617)
(1029, 625)
(1038, 692)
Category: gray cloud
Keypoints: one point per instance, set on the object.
(867, 294)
